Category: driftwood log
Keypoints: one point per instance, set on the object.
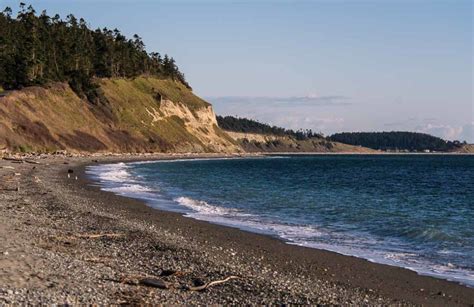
(154, 282)
(212, 283)
(100, 235)
(18, 160)
(159, 283)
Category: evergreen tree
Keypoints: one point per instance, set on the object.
(35, 49)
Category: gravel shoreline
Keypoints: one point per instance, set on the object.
(65, 241)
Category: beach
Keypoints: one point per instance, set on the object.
(63, 240)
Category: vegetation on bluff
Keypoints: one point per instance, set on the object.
(245, 125)
(396, 140)
(37, 49)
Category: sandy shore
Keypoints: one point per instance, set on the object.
(65, 241)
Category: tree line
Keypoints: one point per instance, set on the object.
(395, 140)
(245, 125)
(37, 48)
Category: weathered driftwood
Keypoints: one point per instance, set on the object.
(154, 282)
(31, 161)
(18, 160)
(212, 283)
(72, 238)
(166, 273)
(100, 235)
(12, 159)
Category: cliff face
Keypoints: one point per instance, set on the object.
(255, 142)
(467, 148)
(136, 115)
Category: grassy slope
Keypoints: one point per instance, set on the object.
(130, 100)
(53, 118)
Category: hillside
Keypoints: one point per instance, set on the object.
(142, 114)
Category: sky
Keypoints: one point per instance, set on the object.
(329, 66)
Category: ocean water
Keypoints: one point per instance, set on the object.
(413, 211)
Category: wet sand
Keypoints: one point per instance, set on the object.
(50, 253)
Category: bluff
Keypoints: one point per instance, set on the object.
(142, 114)
(259, 142)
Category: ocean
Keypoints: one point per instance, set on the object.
(413, 211)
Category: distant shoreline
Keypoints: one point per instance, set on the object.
(368, 153)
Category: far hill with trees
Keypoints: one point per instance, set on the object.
(396, 141)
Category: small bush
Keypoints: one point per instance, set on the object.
(24, 148)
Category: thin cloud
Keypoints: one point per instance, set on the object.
(448, 132)
(402, 122)
(334, 100)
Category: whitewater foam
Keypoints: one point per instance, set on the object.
(237, 218)
(111, 172)
(118, 179)
(203, 208)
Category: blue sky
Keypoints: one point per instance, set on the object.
(327, 65)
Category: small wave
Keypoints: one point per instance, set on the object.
(431, 234)
(117, 178)
(129, 188)
(238, 218)
(203, 208)
(448, 252)
(399, 257)
(117, 172)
